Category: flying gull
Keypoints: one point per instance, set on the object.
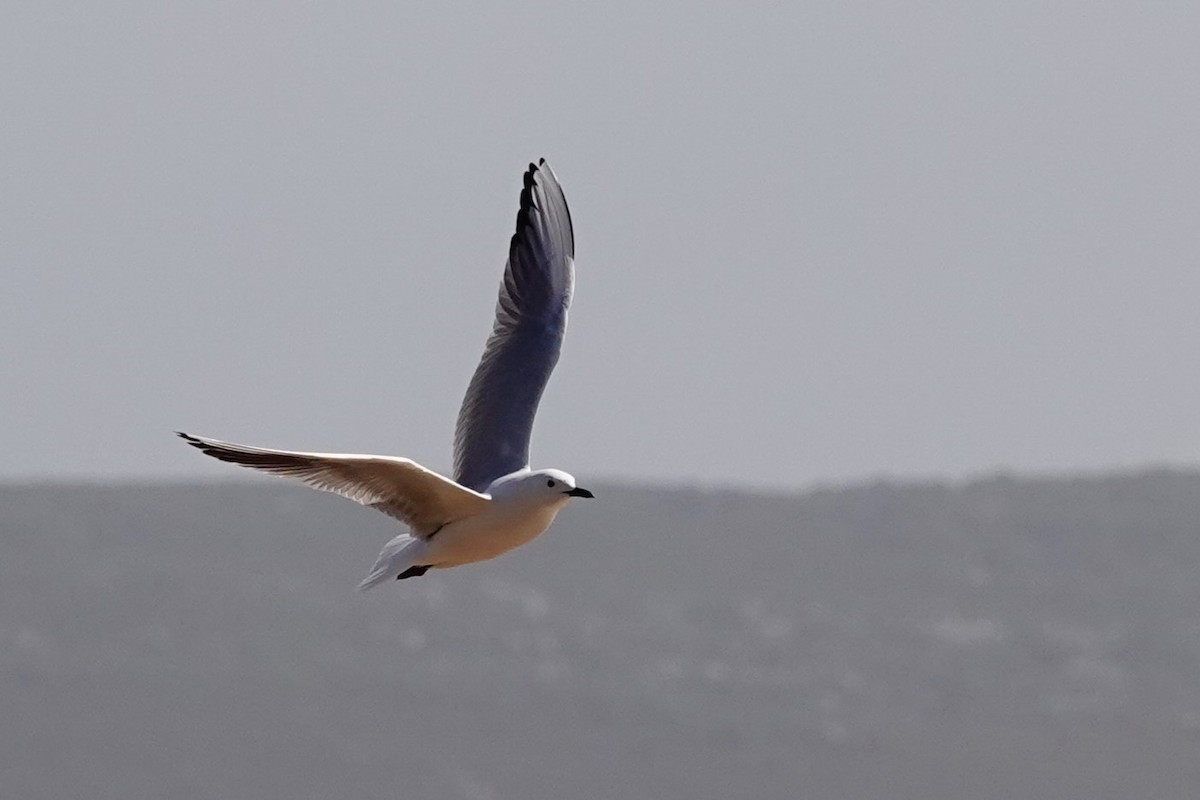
(495, 502)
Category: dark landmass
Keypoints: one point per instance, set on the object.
(1001, 639)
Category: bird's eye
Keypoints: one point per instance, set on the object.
(550, 484)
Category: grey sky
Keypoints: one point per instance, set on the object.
(815, 241)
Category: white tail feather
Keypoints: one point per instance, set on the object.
(397, 555)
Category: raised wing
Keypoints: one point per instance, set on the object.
(491, 438)
(418, 497)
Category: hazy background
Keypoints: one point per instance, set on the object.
(999, 639)
(815, 241)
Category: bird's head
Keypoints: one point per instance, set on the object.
(542, 486)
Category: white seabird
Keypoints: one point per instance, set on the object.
(495, 502)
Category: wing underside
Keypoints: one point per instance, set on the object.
(496, 419)
(398, 487)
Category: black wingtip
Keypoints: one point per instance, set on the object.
(525, 203)
(528, 204)
(531, 173)
(192, 440)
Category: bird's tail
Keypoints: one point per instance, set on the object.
(398, 556)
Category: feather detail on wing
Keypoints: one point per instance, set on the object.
(418, 497)
(492, 435)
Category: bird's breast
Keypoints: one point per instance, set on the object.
(487, 535)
